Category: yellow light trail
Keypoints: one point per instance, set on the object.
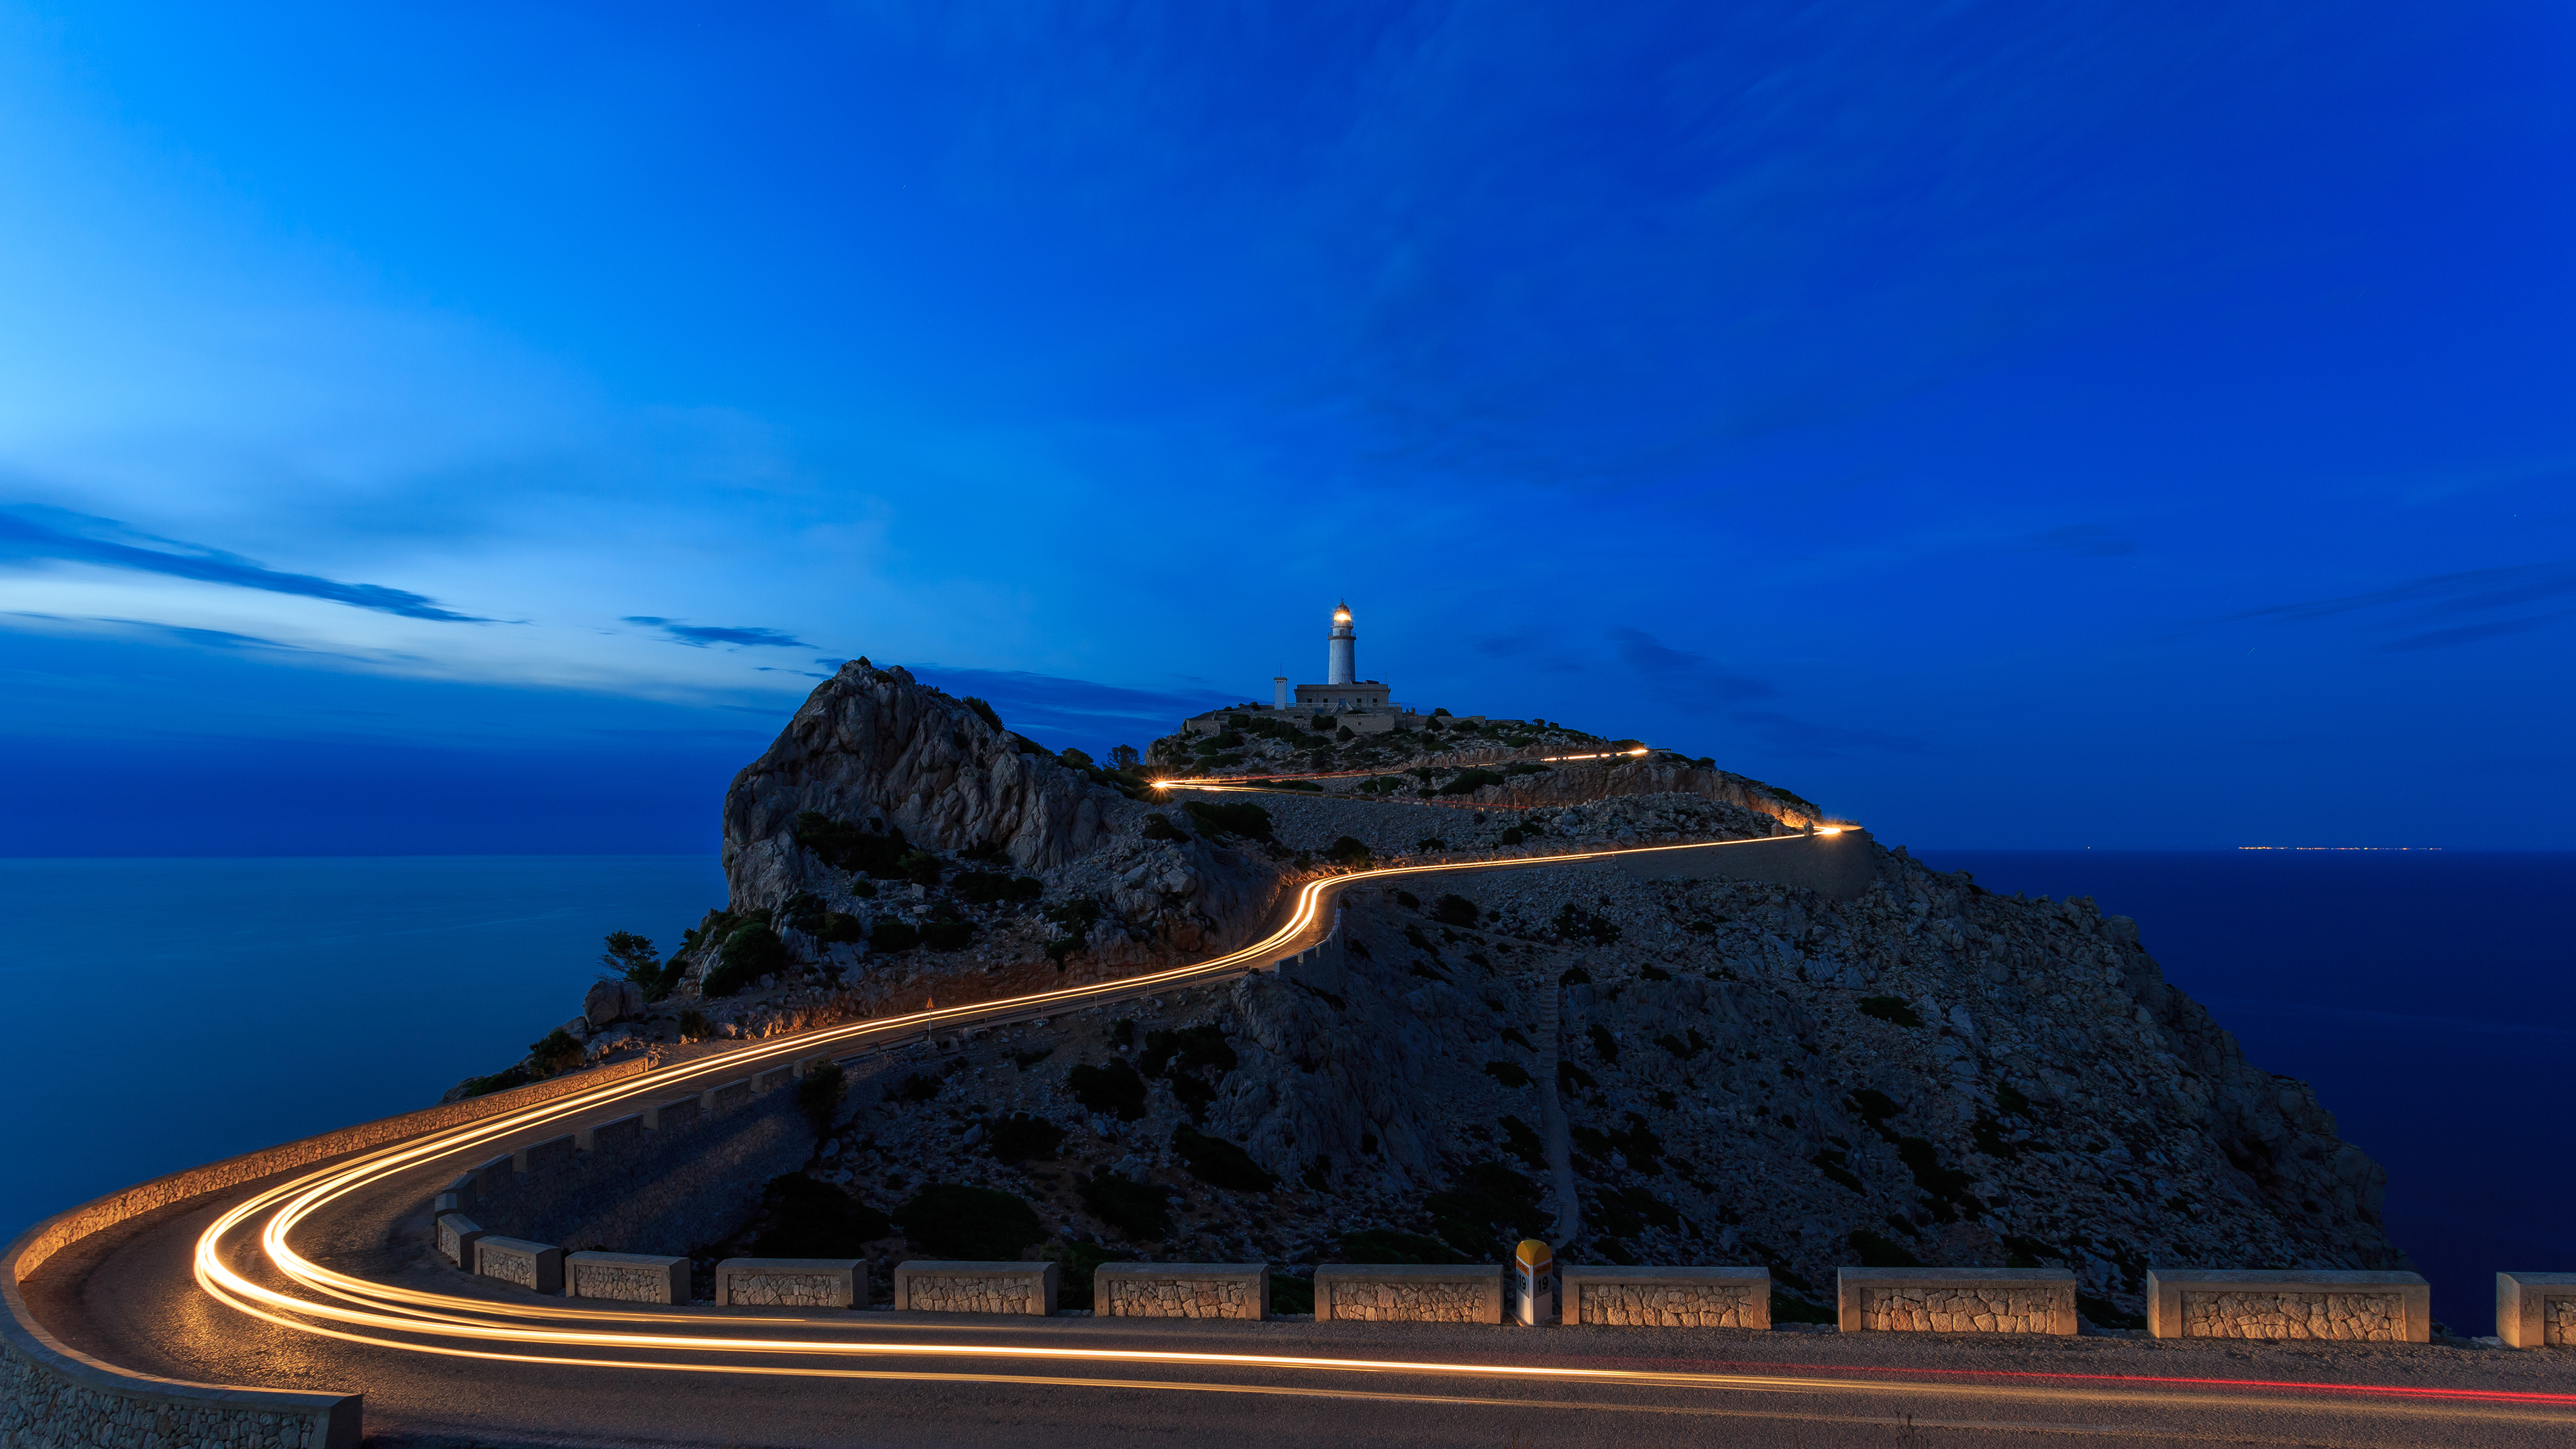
(1205, 781)
(359, 1311)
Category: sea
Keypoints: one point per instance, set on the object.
(170, 1012)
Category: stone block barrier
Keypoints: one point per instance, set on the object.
(1665, 1297)
(456, 1234)
(924, 1286)
(1955, 1300)
(1837, 866)
(2536, 1310)
(1181, 1290)
(2339, 1305)
(537, 1267)
(792, 1283)
(1409, 1293)
(626, 1277)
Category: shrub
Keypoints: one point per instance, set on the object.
(1513, 836)
(1408, 900)
(840, 926)
(984, 711)
(1136, 1209)
(554, 1052)
(804, 910)
(1159, 826)
(1573, 921)
(1114, 1089)
(751, 952)
(947, 935)
(668, 978)
(1019, 1137)
(919, 867)
(893, 935)
(693, 1023)
(951, 1220)
(630, 957)
(1246, 820)
(1291, 1294)
(1523, 1142)
(1604, 1045)
(1890, 1009)
(1454, 910)
(1219, 1163)
(1076, 1264)
(844, 846)
(1430, 843)
(1878, 1251)
(1469, 781)
(810, 1219)
(980, 887)
(499, 1081)
(1488, 1195)
(1574, 976)
(1510, 1074)
(1387, 1245)
(1190, 1048)
(1074, 759)
(819, 1097)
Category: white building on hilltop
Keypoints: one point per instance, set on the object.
(1344, 700)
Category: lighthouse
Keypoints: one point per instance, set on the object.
(1341, 647)
(1344, 704)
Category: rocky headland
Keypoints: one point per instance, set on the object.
(1746, 1072)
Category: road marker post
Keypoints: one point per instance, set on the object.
(1534, 1283)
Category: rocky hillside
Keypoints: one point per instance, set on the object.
(1750, 1073)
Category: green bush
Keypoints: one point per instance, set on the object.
(1510, 1074)
(500, 1081)
(809, 1219)
(751, 952)
(1076, 1263)
(804, 910)
(975, 1224)
(1219, 1163)
(693, 1023)
(1019, 1137)
(1489, 1210)
(947, 935)
(819, 1097)
(1890, 1009)
(1136, 1209)
(554, 1052)
(844, 846)
(1291, 1294)
(839, 926)
(919, 867)
(1454, 910)
(1877, 1251)
(631, 957)
(1469, 781)
(1159, 826)
(1522, 1141)
(984, 711)
(1190, 1048)
(1114, 1089)
(1573, 922)
(893, 935)
(1387, 1245)
(1245, 820)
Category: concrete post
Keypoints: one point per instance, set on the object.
(1534, 1283)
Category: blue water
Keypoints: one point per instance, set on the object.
(168, 1012)
(2428, 996)
(165, 1013)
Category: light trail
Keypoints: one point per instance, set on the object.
(1203, 781)
(355, 1310)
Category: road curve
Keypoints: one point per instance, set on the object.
(322, 1278)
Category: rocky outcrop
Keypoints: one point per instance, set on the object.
(1583, 781)
(873, 745)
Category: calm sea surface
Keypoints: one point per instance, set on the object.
(168, 1012)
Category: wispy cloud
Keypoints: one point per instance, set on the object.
(2084, 540)
(2423, 606)
(700, 636)
(1683, 677)
(31, 533)
(1801, 739)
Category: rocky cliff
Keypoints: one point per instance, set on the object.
(1748, 1073)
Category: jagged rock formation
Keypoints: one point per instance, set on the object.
(871, 744)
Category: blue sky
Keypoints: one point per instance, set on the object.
(445, 428)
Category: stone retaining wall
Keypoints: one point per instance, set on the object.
(2351, 1306)
(923, 1286)
(53, 1396)
(1181, 1290)
(1408, 1293)
(1956, 1300)
(1838, 867)
(1667, 1297)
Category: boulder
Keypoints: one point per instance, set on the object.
(608, 1001)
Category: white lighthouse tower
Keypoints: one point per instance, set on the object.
(1341, 648)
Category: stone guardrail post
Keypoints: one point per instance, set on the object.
(626, 1277)
(792, 1283)
(1667, 1297)
(456, 1235)
(2349, 1305)
(1956, 1300)
(2536, 1310)
(1409, 1293)
(537, 1267)
(929, 1286)
(1181, 1290)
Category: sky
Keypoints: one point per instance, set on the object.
(474, 429)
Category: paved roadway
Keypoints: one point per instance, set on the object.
(502, 1372)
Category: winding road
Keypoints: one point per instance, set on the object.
(321, 1279)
